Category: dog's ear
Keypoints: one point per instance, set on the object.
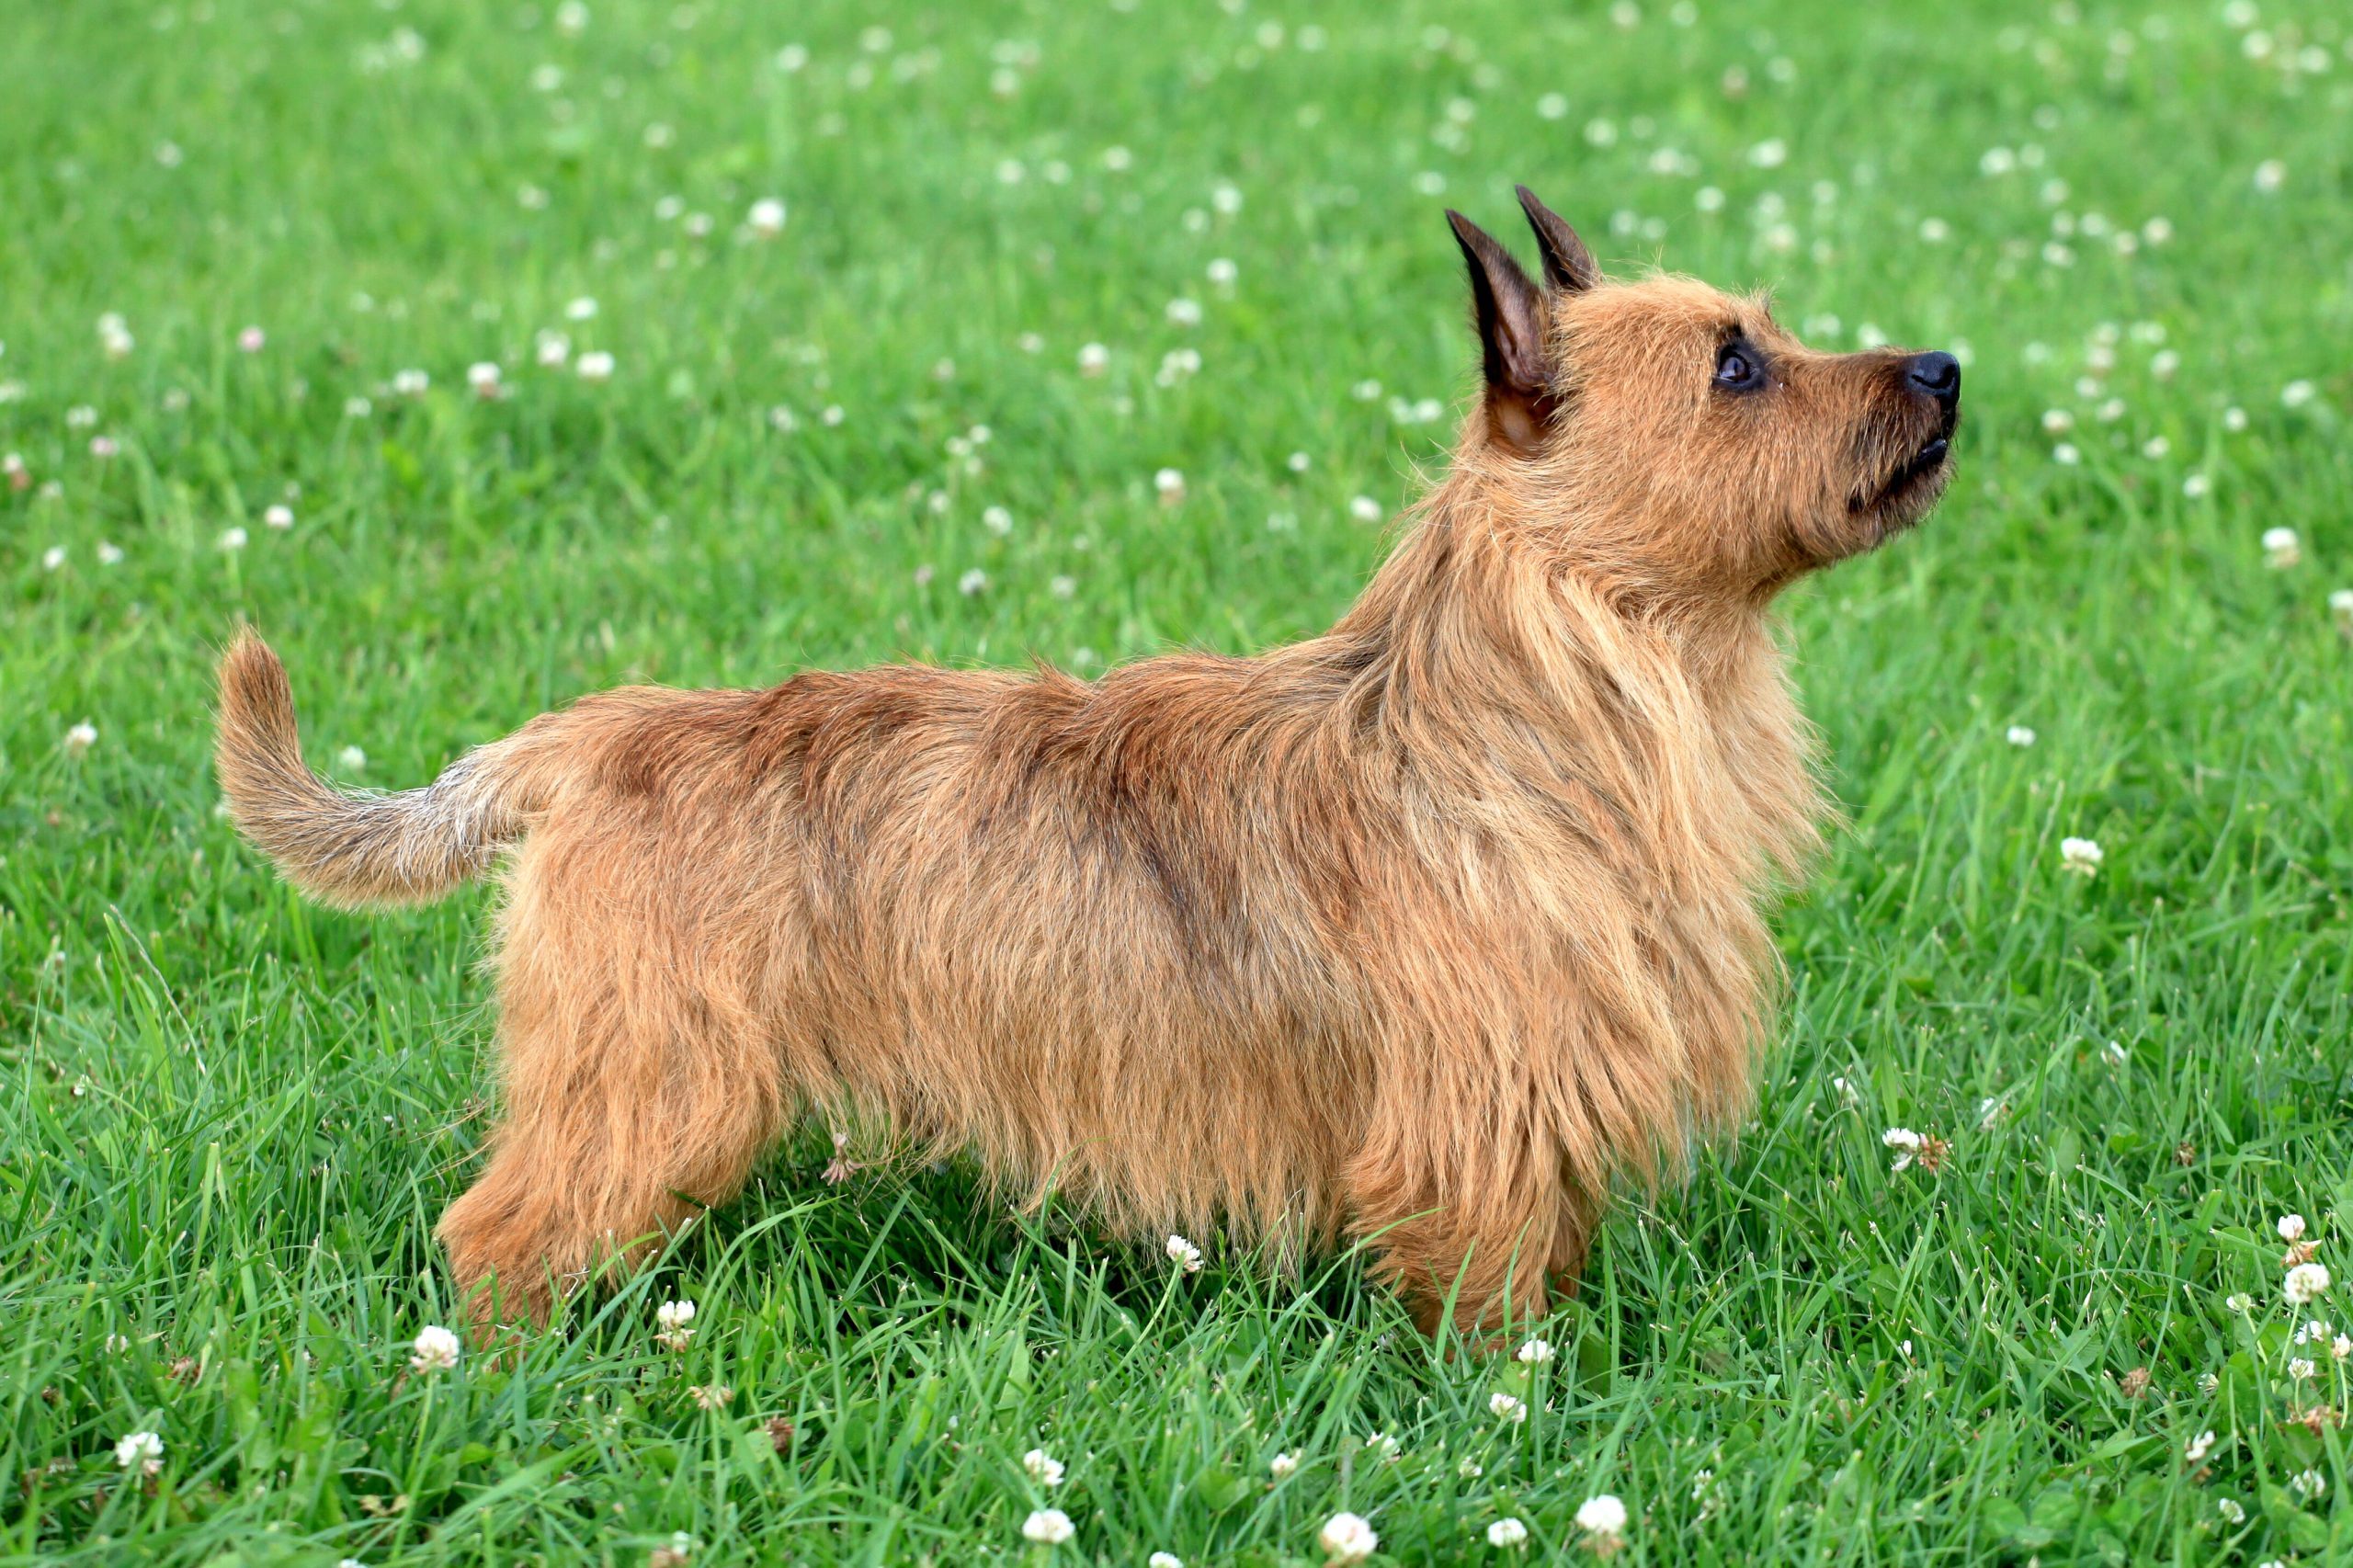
(1568, 266)
(1509, 313)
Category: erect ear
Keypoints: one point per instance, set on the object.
(1568, 266)
(1510, 317)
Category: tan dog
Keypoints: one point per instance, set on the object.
(1424, 931)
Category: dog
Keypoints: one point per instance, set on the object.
(1422, 933)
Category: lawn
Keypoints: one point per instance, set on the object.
(1027, 257)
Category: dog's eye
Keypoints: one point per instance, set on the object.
(1736, 368)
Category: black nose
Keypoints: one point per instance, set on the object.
(1938, 375)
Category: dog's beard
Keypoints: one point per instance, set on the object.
(1904, 461)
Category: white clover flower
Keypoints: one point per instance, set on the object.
(2114, 1053)
(2299, 1369)
(1223, 272)
(482, 376)
(2297, 393)
(1176, 365)
(2229, 1510)
(2308, 1484)
(1602, 1516)
(1164, 1560)
(2065, 454)
(1170, 483)
(2198, 1447)
(972, 583)
(411, 384)
(1387, 1447)
(358, 408)
(2341, 1347)
(2305, 1282)
(233, 540)
(2058, 421)
(351, 759)
(2238, 1302)
(2270, 175)
(552, 349)
(2290, 1227)
(1508, 1407)
(766, 217)
(1365, 509)
(675, 1314)
(1043, 1468)
(595, 366)
(997, 520)
(1508, 1533)
(2282, 549)
(2079, 856)
(1282, 1466)
(1093, 360)
(110, 554)
(1534, 1353)
(1348, 1538)
(436, 1349)
(1906, 1143)
(142, 1451)
(80, 739)
(280, 516)
(251, 340)
(1769, 154)
(582, 309)
(1047, 1526)
(2018, 735)
(2196, 486)
(1185, 313)
(1185, 1254)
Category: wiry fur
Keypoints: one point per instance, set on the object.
(1426, 930)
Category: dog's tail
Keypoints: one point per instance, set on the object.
(351, 849)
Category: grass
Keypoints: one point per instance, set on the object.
(230, 1119)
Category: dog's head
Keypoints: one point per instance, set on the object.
(1681, 436)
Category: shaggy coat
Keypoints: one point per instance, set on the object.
(1423, 932)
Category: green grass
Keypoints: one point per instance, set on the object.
(229, 1119)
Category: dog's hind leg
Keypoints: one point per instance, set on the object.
(634, 1096)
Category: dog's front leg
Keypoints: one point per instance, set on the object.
(1459, 1188)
